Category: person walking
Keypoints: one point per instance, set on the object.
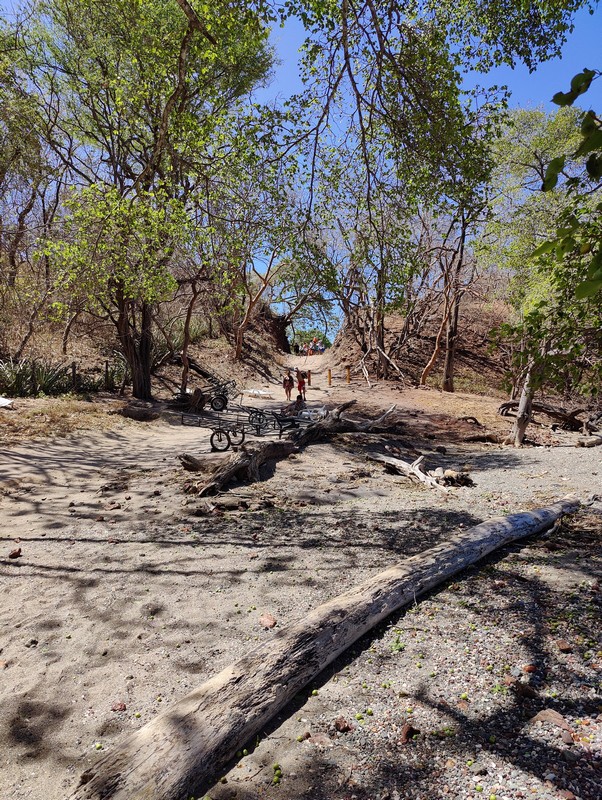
(288, 382)
(301, 383)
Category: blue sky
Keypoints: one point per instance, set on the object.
(583, 49)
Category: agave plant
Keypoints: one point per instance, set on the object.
(29, 378)
(15, 378)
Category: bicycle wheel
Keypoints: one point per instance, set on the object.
(237, 436)
(220, 439)
(257, 418)
(219, 402)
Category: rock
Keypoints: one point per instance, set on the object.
(549, 715)
(31, 643)
(231, 504)
(118, 707)
(564, 646)
(566, 794)
(529, 668)
(524, 690)
(341, 725)
(408, 732)
(15, 553)
(140, 412)
(478, 769)
(267, 620)
(566, 737)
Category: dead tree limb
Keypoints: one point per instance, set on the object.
(594, 441)
(191, 463)
(568, 419)
(337, 423)
(409, 470)
(245, 464)
(180, 752)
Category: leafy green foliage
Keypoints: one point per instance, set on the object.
(114, 244)
(578, 237)
(27, 378)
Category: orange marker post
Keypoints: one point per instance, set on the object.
(329, 377)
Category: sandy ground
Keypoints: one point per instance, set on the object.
(128, 592)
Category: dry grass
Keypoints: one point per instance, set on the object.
(40, 417)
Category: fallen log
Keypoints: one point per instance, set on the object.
(245, 464)
(594, 441)
(409, 470)
(567, 419)
(180, 752)
(335, 423)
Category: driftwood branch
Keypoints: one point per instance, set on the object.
(246, 463)
(594, 441)
(567, 419)
(180, 752)
(191, 463)
(336, 423)
(409, 470)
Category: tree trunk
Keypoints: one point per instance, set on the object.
(525, 408)
(180, 753)
(379, 326)
(436, 350)
(186, 342)
(136, 345)
(451, 336)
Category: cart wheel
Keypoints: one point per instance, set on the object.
(220, 440)
(219, 402)
(257, 418)
(237, 436)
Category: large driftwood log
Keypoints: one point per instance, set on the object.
(335, 422)
(245, 464)
(180, 752)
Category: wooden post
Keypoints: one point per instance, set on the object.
(329, 377)
(74, 375)
(348, 377)
(309, 377)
